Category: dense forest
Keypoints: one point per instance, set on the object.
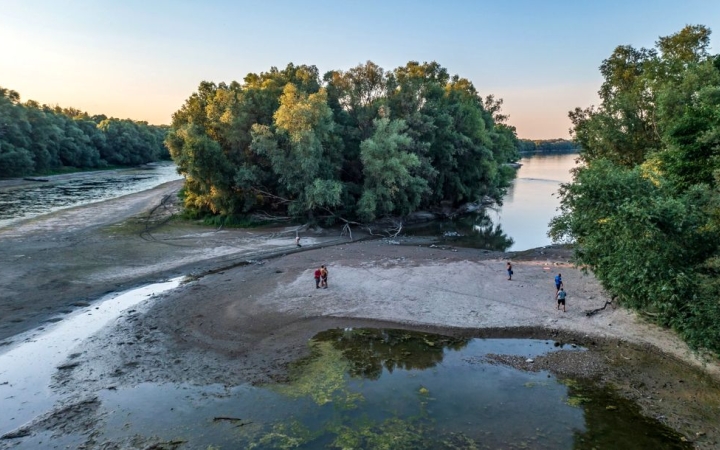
(361, 144)
(39, 139)
(644, 208)
(548, 146)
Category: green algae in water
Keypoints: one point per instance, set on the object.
(384, 389)
(373, 387)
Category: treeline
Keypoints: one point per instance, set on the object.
(644, 209)
(39, 139)
(360, 144)
(548, 146)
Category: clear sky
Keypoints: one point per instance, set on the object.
(142, 59)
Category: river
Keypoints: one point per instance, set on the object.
(521, 222)
(34, 199)
(532, 200)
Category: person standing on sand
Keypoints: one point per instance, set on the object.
(558, 283)
(561, 294)
(509, 270)
(297, 241)
(318, 274)
(324, 275)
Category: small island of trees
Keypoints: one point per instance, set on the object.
(548, 146)
(361, 144)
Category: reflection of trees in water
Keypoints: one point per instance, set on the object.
(473, 230)
(368, 350)
(486, 233)
(612, 421)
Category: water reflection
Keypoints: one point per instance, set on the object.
(78, 189)
(521, 222)
(611, 419)
(476, 230)
(532, 201)
(370, 350)
(381, 389)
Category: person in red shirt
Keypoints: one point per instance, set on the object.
(317, 278)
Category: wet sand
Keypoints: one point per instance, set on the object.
(250, 305)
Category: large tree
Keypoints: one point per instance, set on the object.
(363, 143)
(643, 209)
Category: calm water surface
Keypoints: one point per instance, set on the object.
(521, 223)
(532, 201)
(385, 389)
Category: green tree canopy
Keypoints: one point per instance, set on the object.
(643, 209)
(39, 139)
(364, 143)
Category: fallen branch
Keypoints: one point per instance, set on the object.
(231, 419)
(228, 419)
(592, 312)
(169, 445)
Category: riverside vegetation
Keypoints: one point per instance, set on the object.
(367, 144)
(40, 139)
(643, 208)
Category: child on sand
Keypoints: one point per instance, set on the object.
(509, 270)
(318, 274)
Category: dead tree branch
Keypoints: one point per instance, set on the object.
(592, 312)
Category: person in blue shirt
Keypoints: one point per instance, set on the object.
(558, 283)
(561, 294)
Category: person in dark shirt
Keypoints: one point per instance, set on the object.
(324, 276)
(509, 270)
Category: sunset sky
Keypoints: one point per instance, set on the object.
(142, 59)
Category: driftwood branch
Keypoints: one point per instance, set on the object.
(347, 229)
(262, 215)
(592, 312)
(279, 199)
(169, 445)
(397, 229)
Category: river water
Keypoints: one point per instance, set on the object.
(532, 200)
(66, 191)
(521, 222)
(376, 389)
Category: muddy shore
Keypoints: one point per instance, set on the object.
(250, 305)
